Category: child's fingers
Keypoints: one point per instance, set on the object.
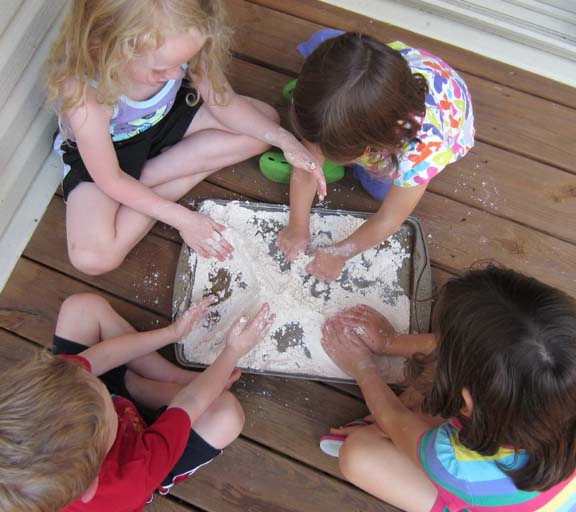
(207, 301)
(261, 315)
(240, 325)
(201, 251)
(265, 326)
(219, 227)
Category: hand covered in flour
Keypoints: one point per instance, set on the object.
(375, 331)
(292, 241)
(327, 264)
(192, 317)
(345, 348)
(302, 158)
(204, 236)
(246, 334)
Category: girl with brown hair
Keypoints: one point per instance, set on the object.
(398, 114)
(504, 384)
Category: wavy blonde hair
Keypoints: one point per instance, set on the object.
(98, 38)
(53, 433)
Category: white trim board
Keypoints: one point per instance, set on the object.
(28, 215)
(535, 35)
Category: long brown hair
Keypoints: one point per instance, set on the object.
(354, 92)
(511, 341)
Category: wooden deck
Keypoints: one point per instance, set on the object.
(512, 200)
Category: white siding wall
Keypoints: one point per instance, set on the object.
(28, 174)
(536, 35)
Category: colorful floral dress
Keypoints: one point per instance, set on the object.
(447, 131)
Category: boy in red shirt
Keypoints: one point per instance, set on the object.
(69, 444)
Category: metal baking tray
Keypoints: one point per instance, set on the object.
(414, 278)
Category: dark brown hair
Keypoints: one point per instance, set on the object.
(354, 92)
(511, 341)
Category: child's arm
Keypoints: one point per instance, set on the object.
(294, 238)
(114, 352)
(90, 125)
(238, 114)
(197, 396)
(402, 425)
(397, 206)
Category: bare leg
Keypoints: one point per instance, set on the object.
(151, 380)
(220, 424)
(101, 231)
(88, 319)
(370, 461)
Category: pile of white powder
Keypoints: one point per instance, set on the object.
(259, 273)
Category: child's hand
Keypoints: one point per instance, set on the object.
(204, 236)
(246, 334)
(302, 158)
(292, 241)
(345, 348)
(372, 327)
(193, 316)
(327, 264)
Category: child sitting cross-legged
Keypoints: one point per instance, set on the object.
(72, 435)
(504, 383)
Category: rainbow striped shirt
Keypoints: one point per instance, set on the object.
(470, 482)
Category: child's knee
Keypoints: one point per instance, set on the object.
(222, 423)
(354, 453)
(80, 302)
(231, 413)
(94, 262)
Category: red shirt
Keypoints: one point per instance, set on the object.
(139, 459)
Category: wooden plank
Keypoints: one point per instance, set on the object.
(14, 349)
(505, 117)
(316, 11)
(488, 178)
(458, 235)
(164, 504)
(32, 297)
(513, 187)
(246, 477)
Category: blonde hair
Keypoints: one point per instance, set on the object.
(98, 38)
(53, 433)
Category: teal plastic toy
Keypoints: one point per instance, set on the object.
(288, 89)
(276, 168)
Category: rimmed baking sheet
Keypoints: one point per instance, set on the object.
(413, 279)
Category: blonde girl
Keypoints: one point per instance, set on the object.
(145, 114)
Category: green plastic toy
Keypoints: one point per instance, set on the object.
(276, 168)
(288, 89)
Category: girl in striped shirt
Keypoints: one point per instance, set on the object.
(504, 384)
